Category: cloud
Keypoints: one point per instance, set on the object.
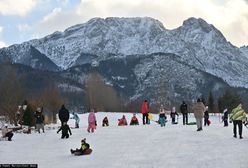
(230, 17)
(23, 27)
(57, 20)
(2, 44)
(1, 29)
(17, 7)
(63, 2)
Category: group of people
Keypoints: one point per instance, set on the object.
(237, 116)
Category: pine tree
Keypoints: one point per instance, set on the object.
(228, 100)
(28, 116)
(210, 102)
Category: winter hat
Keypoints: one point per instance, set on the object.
(83, 140)
(6, 125)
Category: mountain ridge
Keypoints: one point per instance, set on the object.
(195, 46)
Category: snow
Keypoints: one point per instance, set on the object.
(131, 146)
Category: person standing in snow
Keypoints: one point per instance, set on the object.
(206, 117)
(184, 111)
(162, 116)
(225, 117)
(64, 115)
(145, 111)
(199, 109)
(28, 116)
(91, 121)
(237, 116)
(65, 131)
(173, 115)
(76, 118)
(7, 132)
(39, 120)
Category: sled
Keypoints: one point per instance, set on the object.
(87, 152)
(191, 123)
(208, 122)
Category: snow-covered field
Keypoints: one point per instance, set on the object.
(149, 146)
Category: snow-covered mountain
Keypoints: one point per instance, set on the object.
(196, 42)
(244, 51)
(192, 51)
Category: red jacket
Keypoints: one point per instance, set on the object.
(145, 108)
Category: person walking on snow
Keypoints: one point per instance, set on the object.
(206, 117)
(162, 116)
(64, 115)
(65, 131)
(145, 111)
(173, 115)
(76, 118)
(199, 109)
(39, 120)
(237, 116)
(225, 117)
(91, 121)
(184, 111)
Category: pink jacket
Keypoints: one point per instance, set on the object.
(92, 117)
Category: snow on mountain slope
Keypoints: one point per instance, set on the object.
(131, 146)
(99, 37)
(244, 51)
(198, 44)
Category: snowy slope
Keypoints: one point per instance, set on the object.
(148, 146)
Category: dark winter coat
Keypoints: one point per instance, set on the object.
(28, 116)
(206, 114)
(65, 129)
(162, 115)
(184, 108)
(173, 114)
(105, 122)
(63, 114)
(39, 117)
(134, 121)
(225, 117)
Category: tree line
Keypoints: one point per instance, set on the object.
(97, 94)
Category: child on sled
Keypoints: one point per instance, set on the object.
(84, 149)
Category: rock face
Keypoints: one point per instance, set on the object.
(140, 57)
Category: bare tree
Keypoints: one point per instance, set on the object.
(52, 101)
(11, 92)
(100, 95)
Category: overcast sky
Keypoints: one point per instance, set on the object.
(22, 20)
